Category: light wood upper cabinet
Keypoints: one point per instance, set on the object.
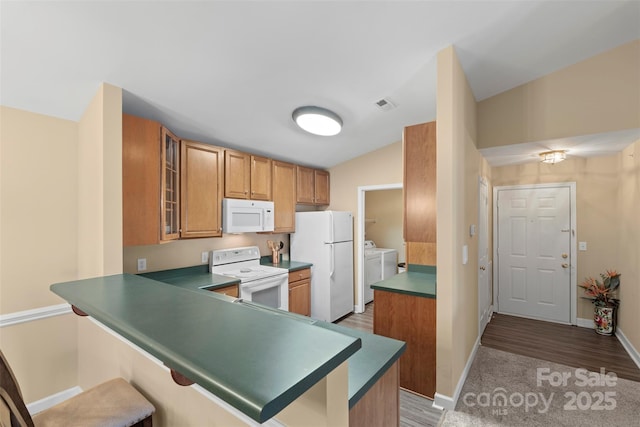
(321, 186)
(201, 189)
(419, 157)
(260, 178)
(150, 182)
(284, 196)
(237, 174)
(313, 186)
(306, 189)
(170, 211)
(246, 176)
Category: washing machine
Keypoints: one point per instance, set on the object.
(372, 269)
(388, 259)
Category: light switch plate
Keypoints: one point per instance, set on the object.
(582, 246)
(465, 254)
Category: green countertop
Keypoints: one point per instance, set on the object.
(366, 366)
(193, 278)
(176, 325)
(417, 283)
(289, 265)
(369, 363)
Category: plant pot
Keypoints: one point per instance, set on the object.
(604, 318)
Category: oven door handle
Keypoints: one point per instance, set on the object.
(270, 282)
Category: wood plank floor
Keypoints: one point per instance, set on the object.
(568, 345)
(359, 321)
(415, 411)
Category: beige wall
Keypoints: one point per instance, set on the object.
(628, 261)
(383, 166)
(100, 185)
(459, 166)
(384, 214)
(38, 196)
(600, 94)
(186, 253)
(596, 181)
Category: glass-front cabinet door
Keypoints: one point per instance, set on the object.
(170, 209)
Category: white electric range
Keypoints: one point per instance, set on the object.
(262, 284)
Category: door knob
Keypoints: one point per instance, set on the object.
(565, 265)
(565, 256)
(482, 268)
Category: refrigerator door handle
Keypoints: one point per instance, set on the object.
(332, 256)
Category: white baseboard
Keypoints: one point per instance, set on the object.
(34, 314)
(441, 401)
(584, 323)
(633, 352)
(54, 399)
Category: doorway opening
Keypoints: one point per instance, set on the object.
(390, 226)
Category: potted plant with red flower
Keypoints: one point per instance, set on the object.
(602, 295)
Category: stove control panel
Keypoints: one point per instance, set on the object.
(229, 256)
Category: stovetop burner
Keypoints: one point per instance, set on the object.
(242, 263)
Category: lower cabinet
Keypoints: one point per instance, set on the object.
(230, 291)
(411, 319)
(380, 406)
(300, 292)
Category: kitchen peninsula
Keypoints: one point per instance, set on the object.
(213, 340)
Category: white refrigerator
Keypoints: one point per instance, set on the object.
(325, 239)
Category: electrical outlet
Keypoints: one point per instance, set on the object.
(142, 264)
(204, 257)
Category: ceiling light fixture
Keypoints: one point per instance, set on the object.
(552, 157)
(317, 120)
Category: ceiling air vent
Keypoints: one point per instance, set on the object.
(385, 104)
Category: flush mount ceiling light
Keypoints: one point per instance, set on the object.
(554, 156)
(317, 120)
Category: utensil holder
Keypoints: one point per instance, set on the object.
(275, 255)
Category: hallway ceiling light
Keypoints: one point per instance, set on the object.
(552, 157)
(317, 120)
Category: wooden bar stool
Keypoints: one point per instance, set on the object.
(114, 403)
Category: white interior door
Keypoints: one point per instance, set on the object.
(484, 291)
(534, 234)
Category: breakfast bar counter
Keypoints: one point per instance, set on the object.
(213, 340)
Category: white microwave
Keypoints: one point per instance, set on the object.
(246, 216)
